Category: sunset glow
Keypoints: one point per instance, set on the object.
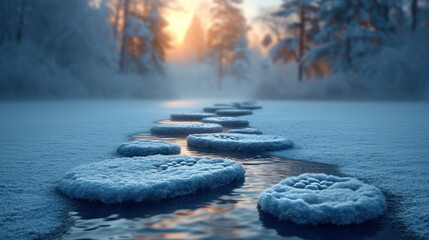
(179, 20)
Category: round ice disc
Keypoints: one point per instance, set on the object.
(322, 199)
(233, 112)
(147, 147)
(239, 142)
(229, 122)
(148, 178)
(186, 128)
(196, 116)
(246, 131)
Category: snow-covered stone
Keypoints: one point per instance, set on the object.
(148, 178)
(246, 131)
(239, 142)
(331, 200)
(233, 112)
(249, 107)
(193, 116)
(229, 122)
(216, 108)
(186, 128)
(224, 105)
(147, 147)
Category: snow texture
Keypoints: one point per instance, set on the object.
(322, 199)
(233, 112)
(194, 116)
(186, 128)
(148, 178)
(216, 108)
(246, 131)
(229, 122)
(239, 142)
(147, 147)
(383, 143)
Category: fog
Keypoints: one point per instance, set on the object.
(52, 49)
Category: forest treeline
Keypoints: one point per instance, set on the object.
(118, 48)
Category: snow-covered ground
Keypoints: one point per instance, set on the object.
(382, 143)
(41, 141)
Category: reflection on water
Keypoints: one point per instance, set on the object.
(229, 212)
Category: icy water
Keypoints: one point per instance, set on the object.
(227, 213)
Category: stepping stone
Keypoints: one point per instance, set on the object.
(229, 122)
(246, 131)
(185, 128)
(148, 178)
(249, 107)
(147, 147)
(195, 116)
(323, 199)
(225, 105)
(214, 109)
(233, 112)
(238, 142)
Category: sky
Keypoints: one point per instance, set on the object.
(179, 20)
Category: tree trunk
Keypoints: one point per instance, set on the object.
(414, 14)
(119, 5)
(301, 43)
(20, 29)
(122, 61)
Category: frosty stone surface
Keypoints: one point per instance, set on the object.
(147, 147)
(186, 128)
(148, 178)
(249, 107)
(246, 131)
(233, 112)
(229, 122)
(194, 116)
(238, 142)
(322, 199)
(216, 108)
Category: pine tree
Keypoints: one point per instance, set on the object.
(302, 26)
(227, 29)
(240, 65)
(144, 40)
(351, 30)
(194, 42)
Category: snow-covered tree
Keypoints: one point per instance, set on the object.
(240, 65)
(226, 31)
(144, 40)
(351, 30)
(301, 25)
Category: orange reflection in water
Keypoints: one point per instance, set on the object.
(178, 103)
(164, 236)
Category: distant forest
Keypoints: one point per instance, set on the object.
(308, 49)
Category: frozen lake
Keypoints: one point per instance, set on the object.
(385, 144)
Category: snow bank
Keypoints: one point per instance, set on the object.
(148, 178)
(230, 122)
(233, 112)
(147, 147)
(321, 199)
(216, 108)
(186, 128)
(239, 142)
(246, 131)
(191, 116)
